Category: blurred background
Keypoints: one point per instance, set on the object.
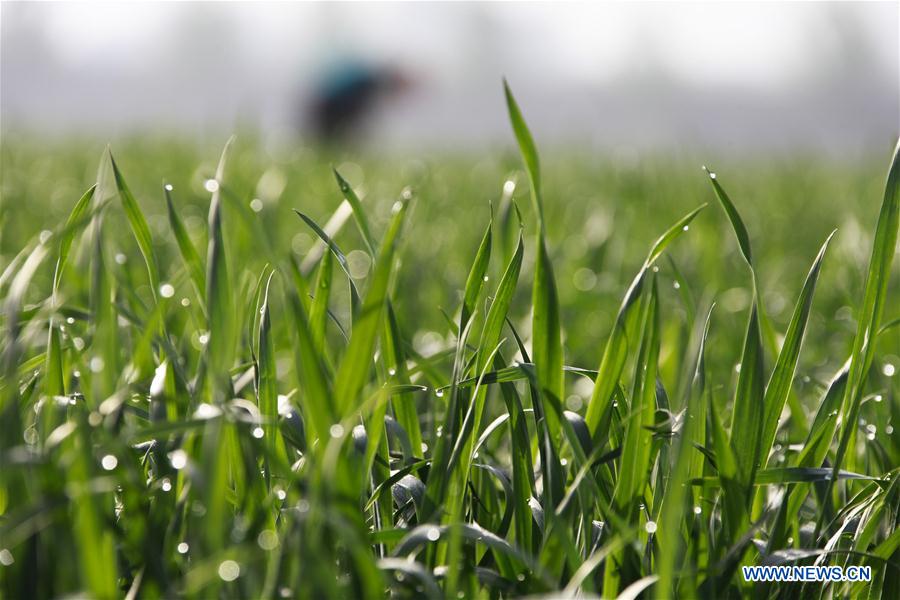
(729, 76)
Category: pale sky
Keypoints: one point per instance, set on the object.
(775, 74)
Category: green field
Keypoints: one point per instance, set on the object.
(240, 373)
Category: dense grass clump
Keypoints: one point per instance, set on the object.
(259, 402)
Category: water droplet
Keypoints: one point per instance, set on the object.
(337, 430)
(433, 534)
(712, 175)
(281, 494)
(486, 278)
(207, 411)
(96, 364)
(563, 462)
(650, 527)
(888, 369)
(686, 227)
(286, 592)
(697, 510)
(183, 548)
(258, 432)
(267, 539)
(256, 205)
(229, 570)
(303, 506)
(169, 187)
(396, 207)
(166, 485)
(179, 459)
(439, 393)
(392, 371)
(70, 321)
(877, 398)
(509, 186)
(45, 235)
(424, 447)
(79, 345)
(30, 436)
(676, 285)
(870, 436)
(6, 558)
(109, 462)
(889, 429)
(655, 269)
(166, 290)
(121, 259)
(203, 338)
(185, 302)
(211, 185)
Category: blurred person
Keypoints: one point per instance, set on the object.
(348, 94)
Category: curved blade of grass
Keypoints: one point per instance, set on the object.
(413, 570)
(138, 226)
(877, 277)
(475, 280)
(750, 411)
(737, 224)
(546, 330)
(342, 260)
(68, 236)
(359, 214)
(189, 253)
(616, 349)
(779, 385)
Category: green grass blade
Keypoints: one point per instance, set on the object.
(68, 236)
(138, 226)
(475, 280)
(342, 260)
(737, 224)
(359, 214)
(404, 404)
(186, 247)
(318, 312)
(546, 329)
(356, 364)
(267, 394)
(317, 399)
(219, 293)
(868, 322)
(675, 503)
(779, 385)
(528, 150)
(615, 351)
(748, 413)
